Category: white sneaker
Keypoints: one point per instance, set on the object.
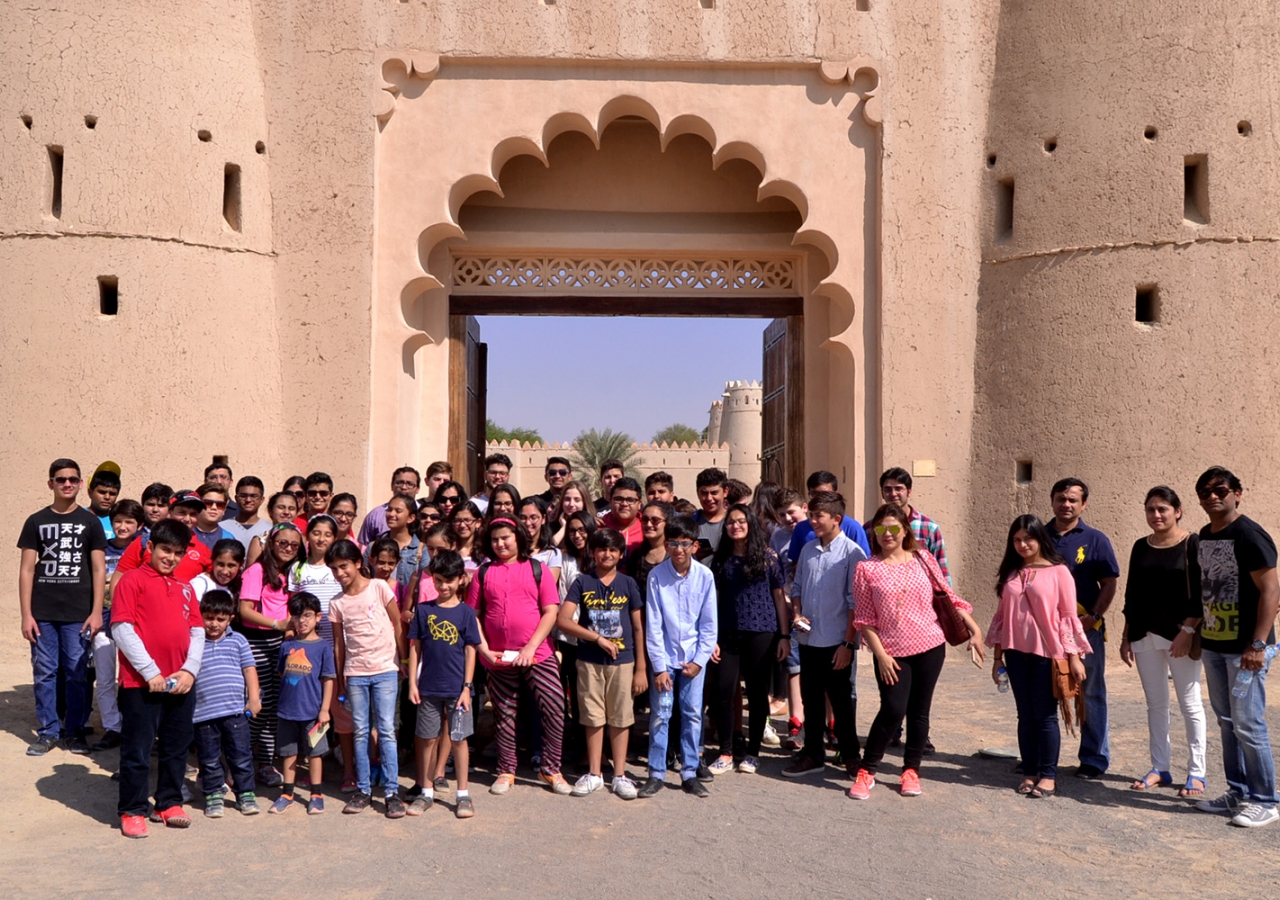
(721, 765)
(624, 787)
(1255, 815)
(587, 784)
(748, 765)
(770, 738)
(1229, 802)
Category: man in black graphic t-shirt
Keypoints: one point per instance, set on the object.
(60, 584)
(1241, 594)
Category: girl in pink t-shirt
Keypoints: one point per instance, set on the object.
(264, 618)
(517, 614)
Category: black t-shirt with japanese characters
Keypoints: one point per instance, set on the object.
(63, 586)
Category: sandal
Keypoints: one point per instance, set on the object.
(1041, 793)
(1190, 791)
(1025, 787)
(1164, 779)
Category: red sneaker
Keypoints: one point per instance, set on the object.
(794, 729)
(862, 786)
(909, 786)
(134, 826)
(175, 817)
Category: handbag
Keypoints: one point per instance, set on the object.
(1065, 687)
(1196, 647)
(953, 625)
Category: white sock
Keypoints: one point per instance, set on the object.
(429, 793)
(460, 794)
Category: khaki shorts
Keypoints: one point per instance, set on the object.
(604, 694)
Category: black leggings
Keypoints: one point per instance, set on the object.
(911, 697)
(749, 655)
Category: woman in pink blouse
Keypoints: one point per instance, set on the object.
(893, 608)
(1035, 623)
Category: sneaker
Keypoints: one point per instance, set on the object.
(283, 802)
(134, 826)
(441, 784)
(1254, 815)
(175, 817)
(503, 783)
(358, 803)
(1229, 802)
(348, 786)
(420, 804)
(909, 786)
(794, 729)
(1087, 772)
(110, 740)
(213, 806)
(721, 765)
(770, 738)
(187, 796)
(651, 787)
(270, 776)
(802, 767)
(624, 787)
(395, 807)
(77, 745)
(464, 809)
(696, 787)
(749, 765)
(42, 745)
(862, 786)
(316, 806)
(704, 773)
(929, 749)
(587, 784)
(249, 804)
(557, 782)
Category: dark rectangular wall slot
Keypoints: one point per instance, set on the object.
(1022, 471)
(1004, 209)
(108, 295)
(863, 5)
(1146, 307)
(1195, 189)
(231, 196)
(55, 182)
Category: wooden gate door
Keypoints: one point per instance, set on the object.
(782, 456)
(468, 388)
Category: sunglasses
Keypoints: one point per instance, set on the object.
(451, 499)
(557, 473)
(67, 479)
(319, 495)
(578, 530)
(653, 520)
(1220, 491)
(215, 504)
(429, 516)
(894, 530)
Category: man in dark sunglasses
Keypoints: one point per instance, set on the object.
(208, 529)
(558, 473)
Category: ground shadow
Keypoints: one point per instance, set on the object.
(78, 787)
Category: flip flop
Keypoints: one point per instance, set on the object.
(1189, 791)
(1144, 783)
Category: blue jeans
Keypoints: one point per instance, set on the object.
(61, 646)
(1039, 737)
(1095, 749)
(374, 696)
(1246, 745)
(227, 736)
(689, 692)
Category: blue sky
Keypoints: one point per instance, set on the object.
(562, 375)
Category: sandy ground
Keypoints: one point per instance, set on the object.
(968, 836)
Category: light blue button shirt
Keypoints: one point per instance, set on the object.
(824, 584)
(680, 616)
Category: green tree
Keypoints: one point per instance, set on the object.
(591, 448)
(495, 432)
(674, 434)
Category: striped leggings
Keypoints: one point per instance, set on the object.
(504, 692)
(265, 647)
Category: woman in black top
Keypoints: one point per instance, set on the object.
(1162, 613)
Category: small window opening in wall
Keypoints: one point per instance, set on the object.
(1146, 307)
(991, 161)
(260, 147)
(231, 196)
(1050, 145)
(108, 295)
(707, 4)
(1004, 209)
(1150, 132)
(91, 122)
(1195, 189)
(204, 135)
(1022, 471)
(221, 459)
(863, 5)
(1244, 128)
(26, 120)
(55, 182)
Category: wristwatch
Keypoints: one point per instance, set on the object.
(1258, 645)
(850, 644)
(784, 637)
(1189, 629)
(468, 685)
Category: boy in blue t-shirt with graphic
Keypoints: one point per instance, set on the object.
(307, 673)
(443, 638)
(226, 693)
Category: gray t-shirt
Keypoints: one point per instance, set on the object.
(245, 533)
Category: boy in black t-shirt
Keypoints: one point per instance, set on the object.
(60, 583)
(610, 672)
(1241, 594)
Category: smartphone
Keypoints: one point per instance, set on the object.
(509, 656)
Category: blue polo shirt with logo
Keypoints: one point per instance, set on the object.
(1090, 558)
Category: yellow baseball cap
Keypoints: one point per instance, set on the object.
(108, 466)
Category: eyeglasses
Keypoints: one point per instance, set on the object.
(1220, 491)
(215, 504)
(653, 520)
(681, 545)
(627, 500)
(530, 520)
(67, 479)
(343, 515)
(412, 485)
(248, 496)
(557, 473)
(288, 545)
(578, 530)
(894, 530)
(735, 523)
(319, 495)
(502, 472)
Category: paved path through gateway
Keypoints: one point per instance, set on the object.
(970, 836)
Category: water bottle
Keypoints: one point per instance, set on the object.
(666, 702)
(342, 698)
(1245, 678)
(1002, 680)
(456, 730)
(170, 683)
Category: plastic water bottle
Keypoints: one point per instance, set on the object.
(456, 731)
(1002, 680)
(1245, 678)
(170, 683)
(342, 699)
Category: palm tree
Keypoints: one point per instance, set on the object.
(592, 447)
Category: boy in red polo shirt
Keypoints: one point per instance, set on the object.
(624, 513)
(184, 507)
(156, 623)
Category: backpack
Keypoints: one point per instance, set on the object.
(536, 565)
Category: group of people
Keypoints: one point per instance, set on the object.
(259, 639)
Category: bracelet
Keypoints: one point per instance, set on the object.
(784, 637)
